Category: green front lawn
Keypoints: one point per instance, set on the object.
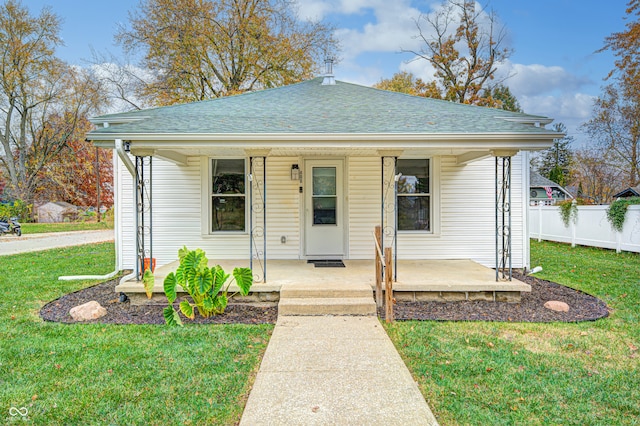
(113, 374)
(588, 373)
(39, 228)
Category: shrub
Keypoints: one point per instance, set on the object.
(205, 285)
(18, 208)
(617, 211)
(568, 212)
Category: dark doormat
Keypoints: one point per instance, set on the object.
(327, 263)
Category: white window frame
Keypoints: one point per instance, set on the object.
(434, 197)
(207, 199)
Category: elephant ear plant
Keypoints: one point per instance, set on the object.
(205, 285)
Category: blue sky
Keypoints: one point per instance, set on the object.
(555, 70)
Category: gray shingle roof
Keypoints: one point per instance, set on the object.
(310, 107)
(536, 179)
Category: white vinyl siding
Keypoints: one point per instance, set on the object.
(283, 209)
(467, 215)
(364, 189)
(463, 212)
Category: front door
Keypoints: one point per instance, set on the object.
(324, 205)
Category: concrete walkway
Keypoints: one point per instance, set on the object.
(10, 244)
(334, 370)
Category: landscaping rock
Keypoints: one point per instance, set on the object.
(556, 305)
(88, 311)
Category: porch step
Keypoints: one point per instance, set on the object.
(314, 291)
(327, 306)
(326, 298)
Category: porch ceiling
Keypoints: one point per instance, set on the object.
(311, 152)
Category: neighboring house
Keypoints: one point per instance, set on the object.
(56, 211)
(307, 171)
(629, 192)
(546, 191)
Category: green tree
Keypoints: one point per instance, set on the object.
(500, 96)
(597, 179)
(35, 87)
(465, 59)
(202, 49)
(615, 124)
(406, 82)
(555, 162)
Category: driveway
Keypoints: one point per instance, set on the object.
(10, 244)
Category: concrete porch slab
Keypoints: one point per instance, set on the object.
(442, 280)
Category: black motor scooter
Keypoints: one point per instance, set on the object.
(12, 226)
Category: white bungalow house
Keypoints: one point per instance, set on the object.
(306, 171)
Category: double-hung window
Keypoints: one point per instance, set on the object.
(414, 195)
(228, 197)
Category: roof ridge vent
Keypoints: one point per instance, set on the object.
(328, 79)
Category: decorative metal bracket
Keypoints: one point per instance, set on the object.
(503, 218)
(389, 207)
(144, 217)
(258, 217)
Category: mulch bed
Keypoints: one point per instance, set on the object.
(583, 307)
(126, 313)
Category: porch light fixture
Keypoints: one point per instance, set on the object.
(295, 172)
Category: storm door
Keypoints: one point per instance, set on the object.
(324, 205)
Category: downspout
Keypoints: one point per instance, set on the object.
(129, 165)
(132, 170)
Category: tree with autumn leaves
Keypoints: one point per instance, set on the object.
(203, 49)
(463, 43)
(43, 101)
(615, 124)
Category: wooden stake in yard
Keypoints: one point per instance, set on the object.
(388, 291)
(378, 241)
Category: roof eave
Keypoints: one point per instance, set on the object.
(199, 139)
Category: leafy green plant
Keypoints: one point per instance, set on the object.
(148, 280)
(18, 209)
(617, 211)
(205, 285)
(568, 212)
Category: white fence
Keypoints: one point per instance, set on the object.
(591, 229)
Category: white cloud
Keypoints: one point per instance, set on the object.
(392, 29)
(536, 79)
(572, 109)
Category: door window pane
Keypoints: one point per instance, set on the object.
(324, 196)
(324, 211)
(324, 181)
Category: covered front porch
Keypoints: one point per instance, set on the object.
(417, 280)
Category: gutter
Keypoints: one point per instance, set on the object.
(296, 138)
(132, 169)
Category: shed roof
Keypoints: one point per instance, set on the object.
(536, 179)
(312, 108)
(632, 191)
